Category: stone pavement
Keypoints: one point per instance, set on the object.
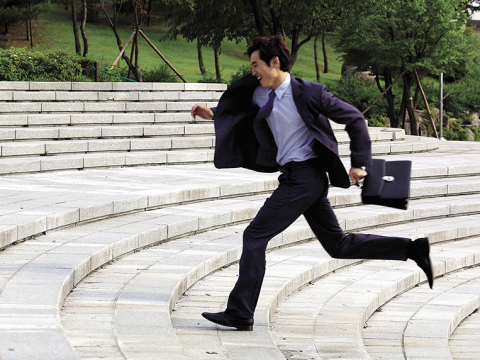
(118, 260)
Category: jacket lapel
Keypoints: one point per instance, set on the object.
(300, 99)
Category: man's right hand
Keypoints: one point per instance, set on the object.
(202, 111)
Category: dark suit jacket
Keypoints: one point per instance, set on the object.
(243, 141)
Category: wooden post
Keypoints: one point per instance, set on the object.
(426, 104)
(96, 71)
(122, 51)
(163, 57)
(383, 93)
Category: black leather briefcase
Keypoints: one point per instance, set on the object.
(387, 183)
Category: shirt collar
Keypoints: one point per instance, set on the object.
(280, 91)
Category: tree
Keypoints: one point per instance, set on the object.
(301, 21)
(208, 22)
(397, 35)
(29, 11)
(78, 47)
(9, 13)
(82, 27)
(116, 6)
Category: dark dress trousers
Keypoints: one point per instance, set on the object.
(243, 141)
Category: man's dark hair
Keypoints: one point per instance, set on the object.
(270, 47)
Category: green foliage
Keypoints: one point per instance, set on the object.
(51, 65)
(209, 78)
(161, 73)
(456, 132)
(242, 72)
(360, 94)
(463, 95)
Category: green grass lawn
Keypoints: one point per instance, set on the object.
(55, 30)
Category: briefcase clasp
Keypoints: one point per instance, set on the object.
(389, 178)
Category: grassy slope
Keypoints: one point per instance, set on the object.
(55, 30)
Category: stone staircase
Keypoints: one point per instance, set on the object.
(119, 260)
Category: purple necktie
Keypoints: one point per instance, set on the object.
(266, 109)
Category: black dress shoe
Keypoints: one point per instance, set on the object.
(225, 319)
(419, 251)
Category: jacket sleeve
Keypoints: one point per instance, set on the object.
(355, 125)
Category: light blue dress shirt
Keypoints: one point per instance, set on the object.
(293, 139)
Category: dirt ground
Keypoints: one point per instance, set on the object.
(17, 37)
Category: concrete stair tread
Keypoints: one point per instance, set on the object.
(335, 309)
(53, 201)
(117, 152)
(62, 131)
(78, 119)
(105, 131)
(101, 248)
(286, 272)
(108, 86)
(86, 107)
(424, 320)
(465, 340)
(110, 96)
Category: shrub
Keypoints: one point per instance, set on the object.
(463, 95)
(360, 94)
(162, 73)
(242, 72)
(209, 78)
(18, 64)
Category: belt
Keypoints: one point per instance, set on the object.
(292, 164)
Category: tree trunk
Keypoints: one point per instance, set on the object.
(217, 64)
(200, 57)
(390, 98)
(296, 45)
(257, 13)
(113, 25)
(276, 21)
(407, 83)
(131, 57)
(82, 28)
(78, 47)
(324, 48)
(417, 94)
(28, 32)
(149, 19)
(6, 28)
(31, 33)
(317, 68)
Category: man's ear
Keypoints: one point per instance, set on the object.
(276, 61)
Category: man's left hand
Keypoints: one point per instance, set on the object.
(357, 174)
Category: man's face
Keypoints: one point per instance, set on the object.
(267, 75)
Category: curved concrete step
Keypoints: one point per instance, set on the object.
(108, 86)
(419, 322)
(119, 152)
(57, 133)
(51, 201)
(286, 272)
(332, 324)
(8, 121)
(465, 340)
(65, 257)
(127, 141)
(103, 132)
